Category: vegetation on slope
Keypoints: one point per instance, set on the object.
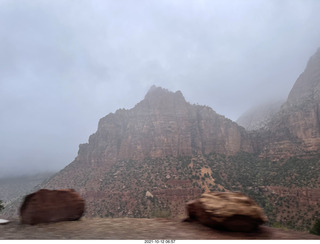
(256, 177)
(160, 187)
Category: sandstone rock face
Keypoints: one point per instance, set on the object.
(162, 125)
(307, 86)
(227, 210)
(295, 129)
(46, 206)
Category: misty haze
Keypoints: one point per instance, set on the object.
(142, 106)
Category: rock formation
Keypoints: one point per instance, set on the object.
(307, 87)
(162, 125)
(46, 206)
(228, 210)
(295, 129)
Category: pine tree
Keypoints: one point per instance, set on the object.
(316, 228)
(1, 206)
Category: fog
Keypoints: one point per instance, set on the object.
(65, 64)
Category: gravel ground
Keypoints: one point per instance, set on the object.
(136, 229)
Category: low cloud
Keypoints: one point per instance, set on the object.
(65, 64)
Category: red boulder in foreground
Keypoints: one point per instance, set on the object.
(46, 206)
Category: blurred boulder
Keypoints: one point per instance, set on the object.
(231, 211)
(46, 206)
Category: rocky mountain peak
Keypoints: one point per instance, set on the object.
(163, 99)
(159, 91)
(295, 129)
(307, 86)
(163, 124)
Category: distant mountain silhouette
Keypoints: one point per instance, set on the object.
(259, 116)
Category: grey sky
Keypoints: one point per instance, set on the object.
(65, 64)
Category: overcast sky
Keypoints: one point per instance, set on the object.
(65, 64)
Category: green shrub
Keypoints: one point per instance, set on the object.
(279, 226)
(161, 213)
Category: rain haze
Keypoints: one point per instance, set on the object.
(66, 64)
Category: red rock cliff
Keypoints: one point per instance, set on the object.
(295, 129)
(161, 125)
